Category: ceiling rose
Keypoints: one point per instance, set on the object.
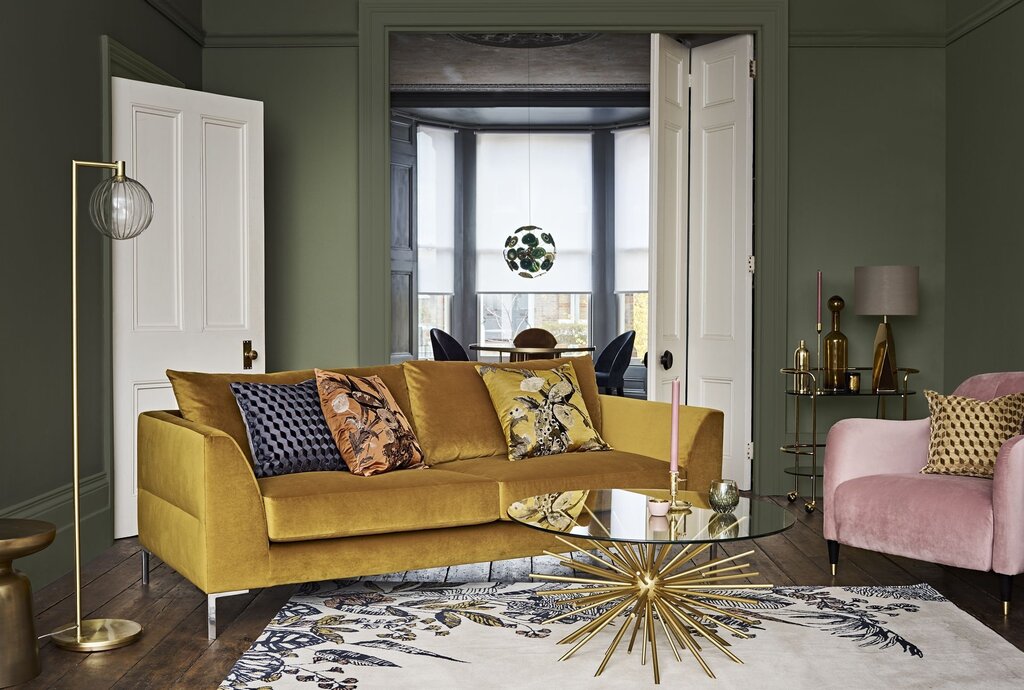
(525, 40)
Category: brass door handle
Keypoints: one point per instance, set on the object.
(249, 355)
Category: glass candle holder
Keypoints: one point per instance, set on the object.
(724, 495)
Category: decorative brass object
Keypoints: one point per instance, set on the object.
(724, 495)
(19, 653)
(836, 348)
(121, 209)
(801, 362)
(638, 583)
(675, 505)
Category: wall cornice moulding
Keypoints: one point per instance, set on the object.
(978, 18)
(281, 41)
(168, 9)
(863, 39)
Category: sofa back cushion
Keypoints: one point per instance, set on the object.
(207, 399)
(452, 412)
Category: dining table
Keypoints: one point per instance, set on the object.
(522, 353)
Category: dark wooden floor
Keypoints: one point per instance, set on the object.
(174, 651)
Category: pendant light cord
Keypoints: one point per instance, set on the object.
(529, 137)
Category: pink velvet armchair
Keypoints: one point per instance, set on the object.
(876, 498)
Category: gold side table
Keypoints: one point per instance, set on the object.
(19, 661)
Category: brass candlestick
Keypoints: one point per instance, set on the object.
(675, 505)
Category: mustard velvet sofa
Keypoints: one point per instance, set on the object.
(203, 511)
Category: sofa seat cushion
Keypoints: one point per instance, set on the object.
(323, 505)
(937, 518)
(611, 469)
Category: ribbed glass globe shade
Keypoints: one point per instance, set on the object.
(120, 208)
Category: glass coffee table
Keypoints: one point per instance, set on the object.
(644, 566)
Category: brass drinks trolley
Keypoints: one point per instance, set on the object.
(802, 383)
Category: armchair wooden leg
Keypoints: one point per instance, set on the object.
(833, 554)
(1006, 592)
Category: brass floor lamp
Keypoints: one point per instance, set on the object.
(120, 208)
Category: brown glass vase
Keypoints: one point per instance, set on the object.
(836, 348)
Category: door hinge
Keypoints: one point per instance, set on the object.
(753, 69)
(750, 450)
(689, 80)
(751, 264)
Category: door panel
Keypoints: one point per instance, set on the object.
(190, 289)
(720, 303)
(670, 67)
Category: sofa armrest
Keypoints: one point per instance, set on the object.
(1008, 509)
(644, 427)
(862, 447)
(200, 508)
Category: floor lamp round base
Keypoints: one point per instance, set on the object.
(98, 635)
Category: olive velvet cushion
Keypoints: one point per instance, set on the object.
(452, 412)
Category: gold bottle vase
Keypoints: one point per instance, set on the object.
(836, 349)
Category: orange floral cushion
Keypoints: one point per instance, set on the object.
(372, 433)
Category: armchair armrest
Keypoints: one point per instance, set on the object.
(644, 427)
(862, 447)
(200, 508)
(1008, 509)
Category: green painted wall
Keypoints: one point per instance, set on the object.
(311, 138)
(52, 113)
(867, 185)
(983, 239)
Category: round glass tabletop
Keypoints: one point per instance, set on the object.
(622, 515)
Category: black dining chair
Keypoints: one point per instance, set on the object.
(446, 348)
(613, 361)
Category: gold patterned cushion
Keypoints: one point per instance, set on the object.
(372, 433)
(542, 412)
(966, 434)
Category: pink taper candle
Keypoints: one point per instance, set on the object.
(819, 299)
(673, 462)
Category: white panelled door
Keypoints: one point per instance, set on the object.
(701, 313)
(720, 300)
(670, 103)
(190, 289)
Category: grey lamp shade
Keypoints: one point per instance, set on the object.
(885, 290)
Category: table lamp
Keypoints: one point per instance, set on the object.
(885, 291)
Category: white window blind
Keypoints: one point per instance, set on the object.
(632, 209)
(435, 209)
(539, 179)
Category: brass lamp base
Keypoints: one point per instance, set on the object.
(98, 635)
(883, 369)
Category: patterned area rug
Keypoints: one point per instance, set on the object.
(360, 635)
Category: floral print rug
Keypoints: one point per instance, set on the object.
(359, 635)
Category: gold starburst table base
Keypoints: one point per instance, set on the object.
(638, 583)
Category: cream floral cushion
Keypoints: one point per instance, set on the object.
(541, 411)
(966, 434)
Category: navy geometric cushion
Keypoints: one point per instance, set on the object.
(286, 427)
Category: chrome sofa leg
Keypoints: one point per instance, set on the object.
(145, 567)
(211, 610)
